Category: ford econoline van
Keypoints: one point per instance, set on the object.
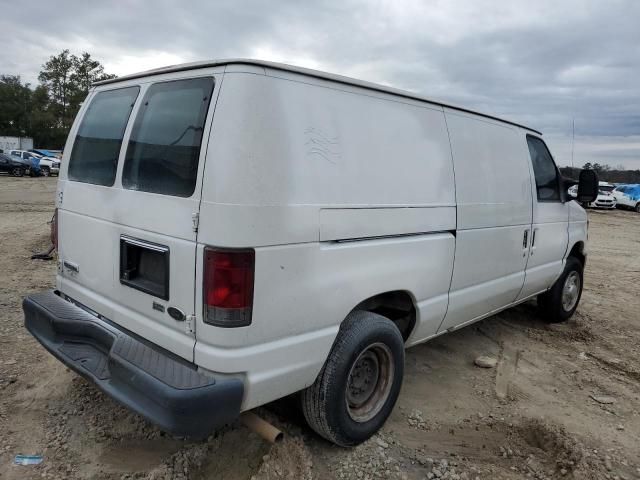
(233, 232)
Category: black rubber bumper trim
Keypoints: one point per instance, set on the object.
(169, 393)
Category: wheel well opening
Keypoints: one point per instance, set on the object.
(397, 306)
(578, 252)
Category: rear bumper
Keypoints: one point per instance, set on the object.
(163, 388)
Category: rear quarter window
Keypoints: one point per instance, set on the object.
(95, 151)
(164, 148)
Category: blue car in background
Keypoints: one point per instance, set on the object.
(46, 153)
(628, 196)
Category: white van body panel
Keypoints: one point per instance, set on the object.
(332, 148)
(286, 190)
(578, 226)
(344, 191)
(318, 283)
(493, 191)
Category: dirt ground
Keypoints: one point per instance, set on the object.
(563, 401)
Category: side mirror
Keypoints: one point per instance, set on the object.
(588, 186)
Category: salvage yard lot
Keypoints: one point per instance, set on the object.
(563, 401)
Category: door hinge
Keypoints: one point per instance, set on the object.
(190, 324)
(195, 221)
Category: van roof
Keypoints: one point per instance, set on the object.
(304, 71)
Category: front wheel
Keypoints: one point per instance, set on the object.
(560, 302)
(45, 171)
(359, 384)
(17, 172)
(637, 209)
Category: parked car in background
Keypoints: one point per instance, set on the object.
(628, 196)
(47, 153)
(48, 165)
(605, 197)
(12, 166)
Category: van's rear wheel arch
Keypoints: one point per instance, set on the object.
(399, 306)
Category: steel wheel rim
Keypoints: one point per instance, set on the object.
(570, 291)
(369, 382)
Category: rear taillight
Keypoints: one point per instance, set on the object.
(228, 287)
(54, 230)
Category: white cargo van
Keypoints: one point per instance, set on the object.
(232, 232)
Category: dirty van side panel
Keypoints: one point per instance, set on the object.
(283, 149)
(493, 188)
(127, 239)
(310, 174)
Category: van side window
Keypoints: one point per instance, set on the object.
(162, 156)
(94, 156)
(544, 168)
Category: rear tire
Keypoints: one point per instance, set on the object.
(637, 209)
(560, 302)
(359, 383)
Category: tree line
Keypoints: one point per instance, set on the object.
(606, 173)
(47, 111)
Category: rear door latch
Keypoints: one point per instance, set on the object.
(195, 221)
(190, 324)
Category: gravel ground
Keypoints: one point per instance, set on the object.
(562, 401)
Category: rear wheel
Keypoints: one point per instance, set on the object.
(637, 207)
(359, 384)
(560, 302)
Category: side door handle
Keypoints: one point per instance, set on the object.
(533, 240)
(525, 242)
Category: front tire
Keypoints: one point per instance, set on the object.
(45, 171)
(637, 209)
(17, 172)
(359, 383)
(560, 302)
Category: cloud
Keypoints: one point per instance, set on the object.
(540, 63)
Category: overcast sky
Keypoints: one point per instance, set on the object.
(542, 63)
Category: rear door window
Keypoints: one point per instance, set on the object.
(164, 148)
(94, 157)
(544, 168)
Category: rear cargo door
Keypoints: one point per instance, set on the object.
(129, 206)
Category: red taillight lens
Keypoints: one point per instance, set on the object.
(54, 230)
(228, 287)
